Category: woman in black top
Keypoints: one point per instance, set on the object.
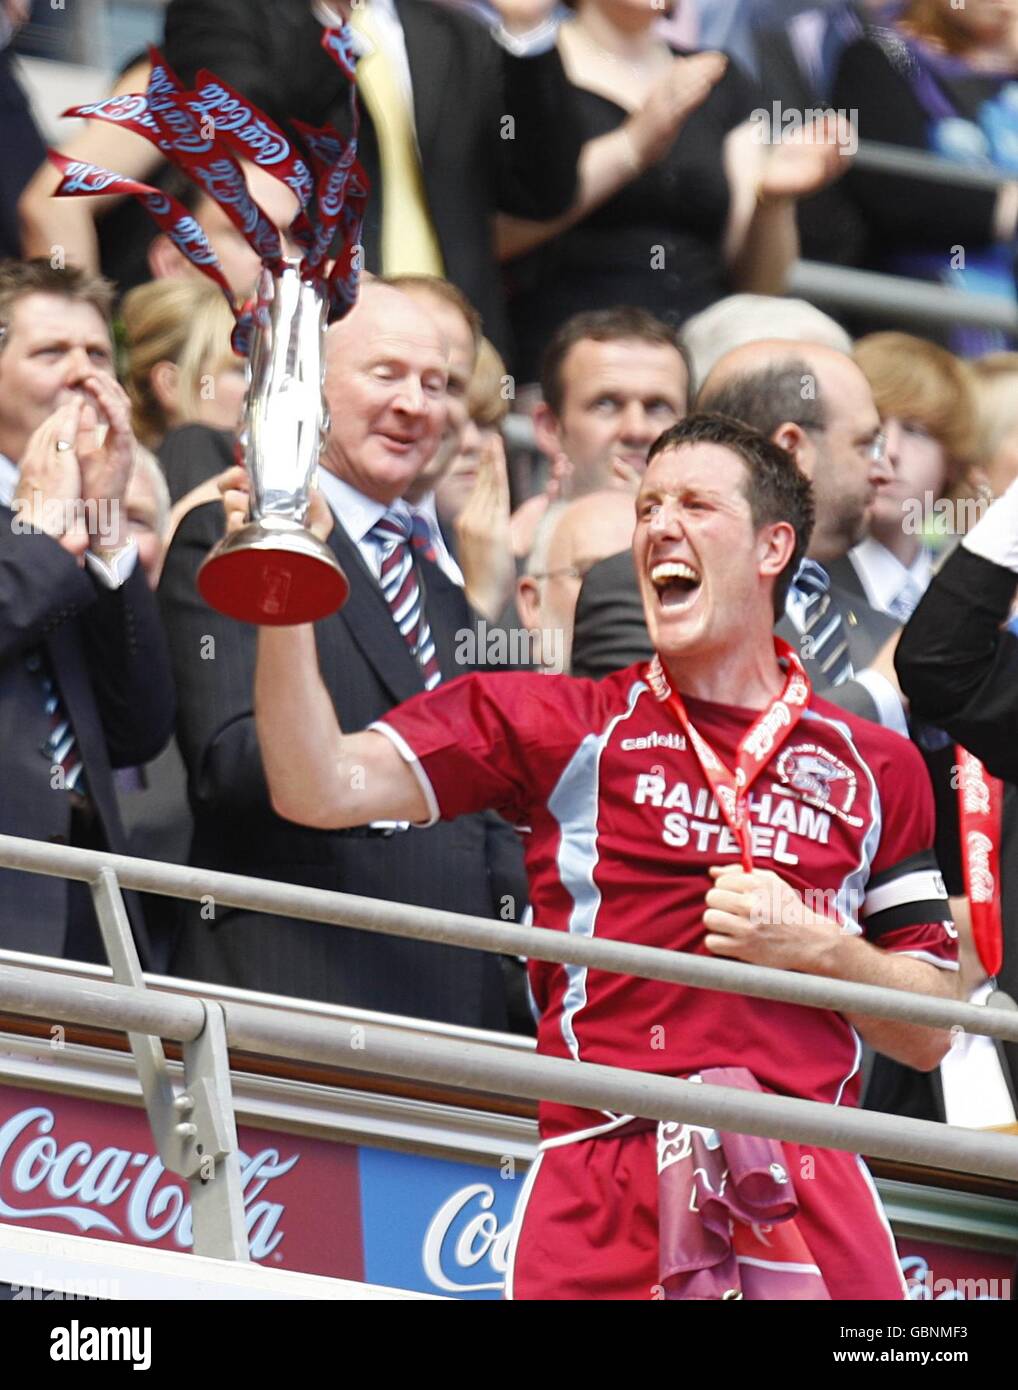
(682, 199)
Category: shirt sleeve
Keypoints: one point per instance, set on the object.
(905, 907)
(493, 740)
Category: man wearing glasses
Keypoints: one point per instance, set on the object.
(815, 402)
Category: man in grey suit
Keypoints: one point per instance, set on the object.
(816, 403)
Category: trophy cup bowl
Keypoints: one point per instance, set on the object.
(274, 571)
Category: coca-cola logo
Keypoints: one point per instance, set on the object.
(79, 1183)
(223, 182)
(979, 847)
(87, 178)
(189, 237)
(331, 200)
(975, 792)
(127, 107)
(464, 1234)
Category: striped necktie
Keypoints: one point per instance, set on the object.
(402, 591)
(60, 748)
(823, 626)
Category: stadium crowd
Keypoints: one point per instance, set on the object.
(545, 302)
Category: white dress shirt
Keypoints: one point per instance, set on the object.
(884, 578)
(975, 1092)
(357, 514)
(112, 573)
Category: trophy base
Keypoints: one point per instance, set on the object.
(275, 574)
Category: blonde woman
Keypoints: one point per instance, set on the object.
(185, 383)
(926, 402)
(995, 378)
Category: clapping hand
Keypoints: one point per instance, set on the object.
(483, 534)
(808, 159)
(106, 458)
(671, 101)
(47, 498)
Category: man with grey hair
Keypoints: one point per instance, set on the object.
(747, 318)
(571, 538)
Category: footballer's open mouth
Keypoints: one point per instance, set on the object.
(675, 582)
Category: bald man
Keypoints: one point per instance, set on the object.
(571, 538)
(385, 383)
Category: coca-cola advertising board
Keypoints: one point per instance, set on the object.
(404, 1220)
(354, 1212)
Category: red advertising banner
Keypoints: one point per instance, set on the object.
(88, 1168)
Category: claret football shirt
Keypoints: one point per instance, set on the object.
(620, 827)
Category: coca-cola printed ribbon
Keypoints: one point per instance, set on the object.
(81, 179)
(162, 117)
(202, 132)
(769, 731)
(980, 805)
(254, 136)
(197, 149)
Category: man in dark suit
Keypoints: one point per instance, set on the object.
(85, 681)
(21, 146)
(468, 128)
(958, 656)
(385, 384)
(815, 403)
(958, 664)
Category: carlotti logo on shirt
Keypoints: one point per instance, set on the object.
(654, 740)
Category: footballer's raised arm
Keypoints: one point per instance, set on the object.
(317, 775)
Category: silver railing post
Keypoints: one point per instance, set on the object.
(194, 1131)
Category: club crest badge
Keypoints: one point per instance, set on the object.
(817, 777)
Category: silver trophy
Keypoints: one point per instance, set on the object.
(275, 571)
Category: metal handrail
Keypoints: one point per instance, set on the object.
(506, 938)
(898, 297)
(386, 1050)
(881, 157)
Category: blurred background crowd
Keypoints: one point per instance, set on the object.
(802, 215)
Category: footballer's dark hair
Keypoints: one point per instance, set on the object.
(775, 488)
